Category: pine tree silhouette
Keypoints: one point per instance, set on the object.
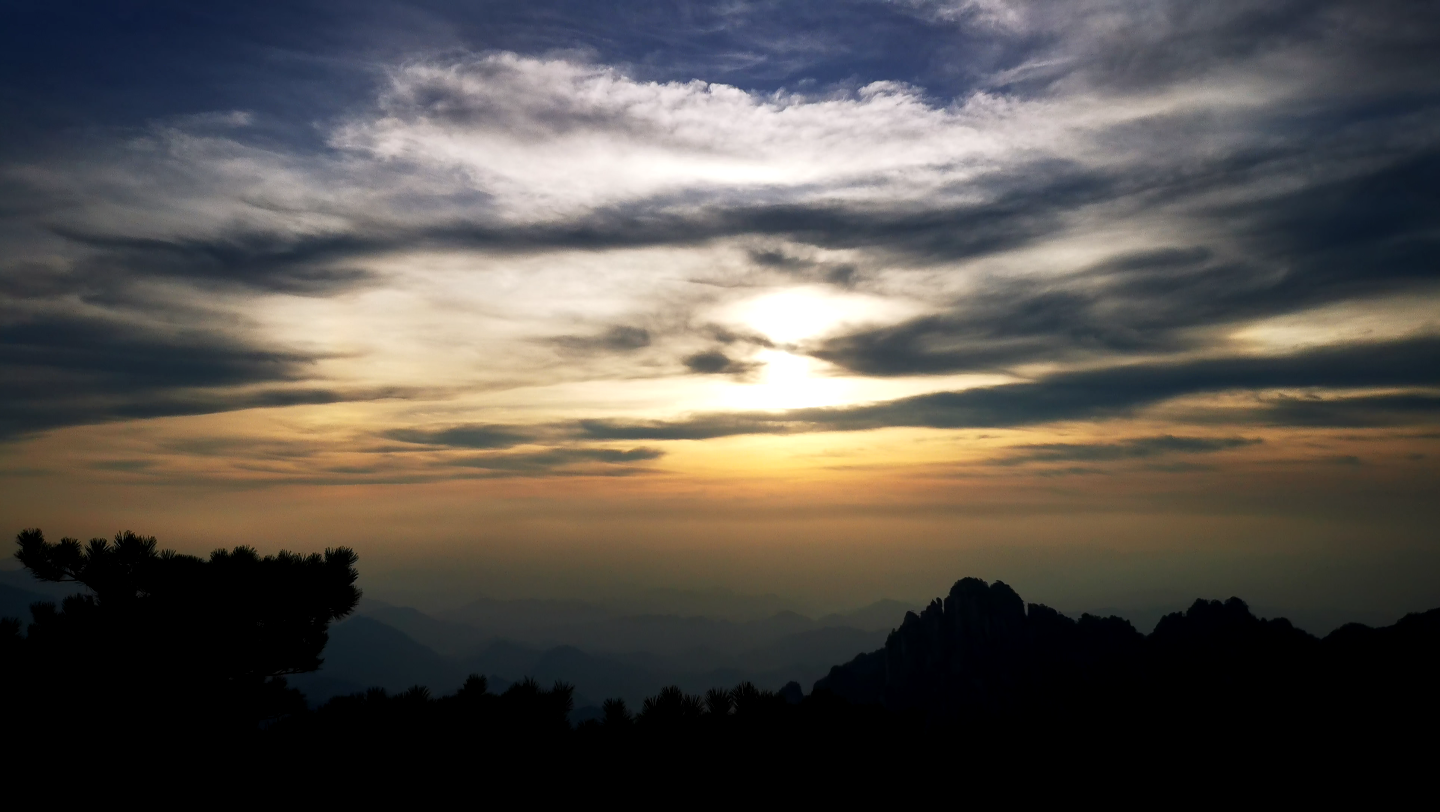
(160, 640)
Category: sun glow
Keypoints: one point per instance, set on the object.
(800, 313)
(789, 381)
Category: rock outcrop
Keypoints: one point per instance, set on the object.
(983, 652)
(981, 649)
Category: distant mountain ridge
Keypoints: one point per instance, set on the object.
(548, 623)
(980, 649)
(602, 653)
(15, 602)
(19, 589)
(20, 585)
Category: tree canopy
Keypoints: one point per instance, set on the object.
(155, 629)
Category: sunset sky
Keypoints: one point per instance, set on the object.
(1121, 302)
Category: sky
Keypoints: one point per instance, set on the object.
(1123, 303)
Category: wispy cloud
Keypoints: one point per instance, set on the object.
(716, 362)
(467, 436)
(1097, 394)
(616, 339)
(1133, 449)
(574, 461)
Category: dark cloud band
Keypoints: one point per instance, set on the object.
(1085, 395)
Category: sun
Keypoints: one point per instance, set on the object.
(809, 312)
(785, 375)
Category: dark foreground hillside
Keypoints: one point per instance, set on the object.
(182, 658)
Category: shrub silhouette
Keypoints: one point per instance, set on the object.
(671, 710)
(617, 716)
(529, 709)
(752, 702)
(719, 702)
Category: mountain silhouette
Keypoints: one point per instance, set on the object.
(981, 652)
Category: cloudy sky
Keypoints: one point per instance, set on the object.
(1108, 298)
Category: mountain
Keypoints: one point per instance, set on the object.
(979, 649)
(629, 657)
(364, 653)
(814, 649)
(15, 602)
(19, 589)
(702, 642)
(982, 651)
(447, 637)
(882, 615)
(525, 618)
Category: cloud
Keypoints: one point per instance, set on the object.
(1368, 235)
(619, 338)
(1108, 191)
(467, 436)
(1096, 394)
(115, 356)
(66, 369)
(1141, 43)
(266, 261)
(715, 362)
(33, 415)
(515, 152)
(841, 274)
(702, 427)
(1138, 448)
(563, 462)
(725, 335)
(124, 466)
(1362, 411)
(562, 137)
